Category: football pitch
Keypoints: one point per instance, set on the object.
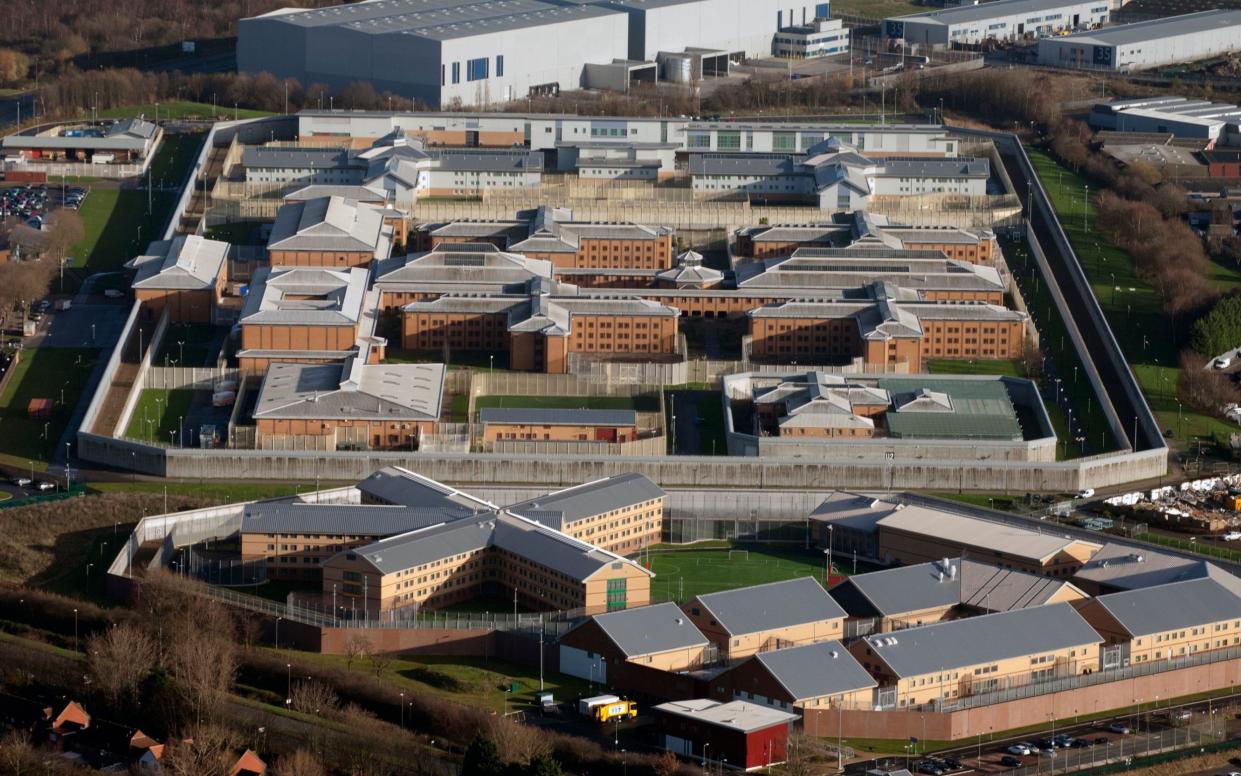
(682, 574)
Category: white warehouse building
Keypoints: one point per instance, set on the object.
(1142, 45)
(479, 52)
(1002, 20)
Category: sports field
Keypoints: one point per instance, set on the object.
(683, 574)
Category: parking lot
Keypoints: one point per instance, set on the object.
(31, 203)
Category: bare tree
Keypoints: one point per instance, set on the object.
(120, 659)
(380, 662)
(203, 665)
(314, 697)
(667, 765)
(207, 751)
(515, 741)
(357, 647)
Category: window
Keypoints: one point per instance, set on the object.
(456, 72)
(784, 141)
(729, 141)
(499, 65)
(476, 69)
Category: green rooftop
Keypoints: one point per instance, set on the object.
(973, 409)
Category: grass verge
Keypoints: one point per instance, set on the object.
(50, 373)
(157, 415)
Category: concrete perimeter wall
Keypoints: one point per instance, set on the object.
(1036, 710)
(706, 471)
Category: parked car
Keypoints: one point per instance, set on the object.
(1119, 727)
(21, 482)
(1008, 761)
(1062, 740)
(1181, 715)
(1231, 536)
(930, 769)
(1223, 362)
(1085, 493)
(1018, 749)
(44, 485)
(953, 763)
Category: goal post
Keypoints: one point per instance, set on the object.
(738, 554)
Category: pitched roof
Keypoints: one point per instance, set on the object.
(1172, 606)
(352, 390)
(1126, 567)
(815, 670)
(985, 639)
(593, 498)
(976, 532)
(307, 296)
(650, 630)
(770, 606)
(326, 224)
(396, 485)
(186, 262)
(894, 591)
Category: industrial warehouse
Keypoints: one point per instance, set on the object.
(1004, 21)
(472, 52)
(1148, 44)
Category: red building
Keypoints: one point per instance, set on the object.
(738, 735)
(1223, 163)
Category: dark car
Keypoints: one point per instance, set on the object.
(1101, 740)
(1010, 762)
(1081, 743)
(930, 769)
(952, 763)
(1046, 743)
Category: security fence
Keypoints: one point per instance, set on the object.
(1122, 750)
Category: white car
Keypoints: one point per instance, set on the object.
(1223, 362)
(1085, 493)
(1231, 536)
(1021, 750)
(21, 482)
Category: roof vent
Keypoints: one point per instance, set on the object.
(834, 654)
(941, 576)
(892, 641)
(952, 572)
(1139, 558)
(680, 621)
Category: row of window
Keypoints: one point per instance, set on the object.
(475, 70)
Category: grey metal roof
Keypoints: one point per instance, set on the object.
(385, 392)
(988, 638)
(650, 630)
(536, 416)
(488, 161)
(774, 605)
(890, 592)
(977, 532)
(1177, 605)
(326, 224)
(521, 536)
(815, 670)
(924, 167)
(301, 157)
(1156, 30)
(186, 262)
(593, 498)
(133, 135)
(996, 589)
(317, 190)
(744, 164)
(396, 485)
(280, 517)
(1125, 567)
(305, 296)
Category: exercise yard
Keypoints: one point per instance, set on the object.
(682, 574)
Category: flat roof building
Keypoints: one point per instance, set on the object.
(1143, 45)
(1003, 21)
(121, 141)
(1165, 114)
(744, 735)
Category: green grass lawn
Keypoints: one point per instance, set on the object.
(875, 9)
(1131, 305)
(642, 403)
(683, 574)
(460, 409)
(157, 415)
(175, 157)
(182, 109)
(477, 682)
(196, 336)
(42, 373)
(948, 366)
(116, 222)
(223, 492)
